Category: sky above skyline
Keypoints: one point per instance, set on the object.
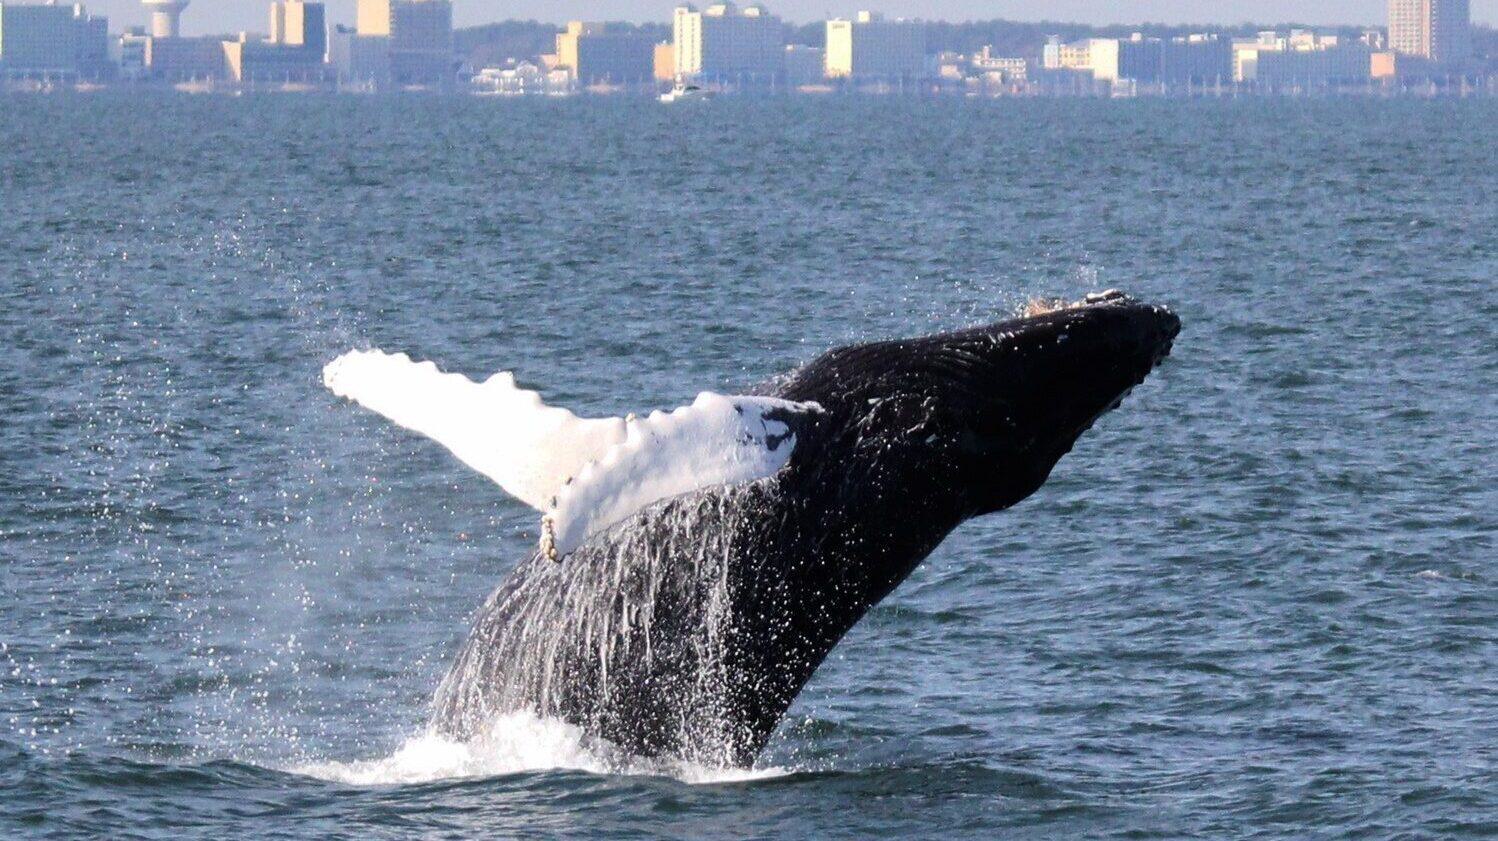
(222, 16)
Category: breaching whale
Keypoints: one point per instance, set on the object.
(695, 567)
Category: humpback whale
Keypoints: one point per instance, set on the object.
(694, 567)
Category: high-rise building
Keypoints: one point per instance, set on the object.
(42, 40)
(362, 61)
(724, 43)
(295, 53)
(294, 23)
(420, 34)
(1437, 30)
(599, 52)
(870, 47)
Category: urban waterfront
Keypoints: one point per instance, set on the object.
(1428, 48)
(1257, 602)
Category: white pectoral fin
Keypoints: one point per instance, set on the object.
(717, 440)
(495, 427)
(586, 474)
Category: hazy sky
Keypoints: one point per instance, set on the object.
(217, 16)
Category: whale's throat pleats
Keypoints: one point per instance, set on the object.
(584, 474)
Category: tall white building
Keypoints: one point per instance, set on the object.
(870, 47)
(1439, 30)
(724, 43)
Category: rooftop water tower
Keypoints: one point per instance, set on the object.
(166, 16)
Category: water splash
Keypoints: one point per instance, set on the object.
(514, 744)
(635, 635)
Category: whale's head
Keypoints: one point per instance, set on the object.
(974, 420)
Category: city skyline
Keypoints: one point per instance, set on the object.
(205, 17)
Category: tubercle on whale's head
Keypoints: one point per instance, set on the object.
(985, 413)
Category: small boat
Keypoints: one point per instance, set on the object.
(683, 93)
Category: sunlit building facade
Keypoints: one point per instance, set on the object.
(598, 52)
(1437, 30)
(870, 47)
(420, 38)
(359, 61)
(724, 43)
(294, 23)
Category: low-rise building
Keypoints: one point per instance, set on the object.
(871, 47)
(186, 59)
(249, 60)
(128, 53)
(1010, 69)
(1301, 59)
(1384, 66)
(523, 79)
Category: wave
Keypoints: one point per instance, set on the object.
(518, 743)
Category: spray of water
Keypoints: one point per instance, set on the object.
(515, 744)
(634, 637)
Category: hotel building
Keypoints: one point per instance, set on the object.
(726, 44)
(1437, 30)
(870, 47)
(420, 38)
(595, 52)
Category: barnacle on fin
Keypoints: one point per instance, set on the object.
(549, 539)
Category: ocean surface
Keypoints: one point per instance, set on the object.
(1260, 600)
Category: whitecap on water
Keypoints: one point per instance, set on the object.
(513, 744)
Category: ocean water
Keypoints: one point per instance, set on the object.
(1260, 600)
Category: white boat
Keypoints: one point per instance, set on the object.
(683, 93)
